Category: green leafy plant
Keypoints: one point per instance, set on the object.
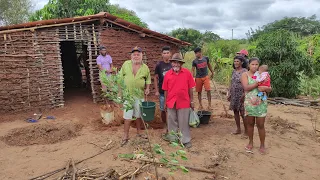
(310, 86)
(117, 92)
(171, 160)
(279, 50)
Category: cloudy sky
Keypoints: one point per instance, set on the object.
(219, 16)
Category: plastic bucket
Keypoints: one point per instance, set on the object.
(147, 111)
(204, 116)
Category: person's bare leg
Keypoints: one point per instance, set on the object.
(127, 124)
(237, 119)
(200, 100)
(209, 99)
(139, 124)
(251, 121)
(262, 133)
(245, 124)
(164, 119)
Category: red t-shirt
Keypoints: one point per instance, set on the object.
(177, 87)
(266, 82)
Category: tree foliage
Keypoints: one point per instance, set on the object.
(14, 11)
(193, 36)
(73, 8)
(311, 46)
(127, 15)
(280, 51)
(300, 25)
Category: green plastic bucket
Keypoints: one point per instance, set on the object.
(147, 111)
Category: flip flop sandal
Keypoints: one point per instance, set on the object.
(262, 152)
(30, 120)
(249, 149)
(50, 117)
(124, 142)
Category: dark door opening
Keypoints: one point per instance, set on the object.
(75, 68)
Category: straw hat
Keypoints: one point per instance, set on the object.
(177, 57)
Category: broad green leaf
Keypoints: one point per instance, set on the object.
(174, 161)
(184, 169)
(127, 156)
(181, 152)
(164, 160)
(174, 144)
(184, 158)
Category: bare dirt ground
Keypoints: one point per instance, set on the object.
(293, 147)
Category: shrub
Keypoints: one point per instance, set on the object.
(279, 50)
(310, 86)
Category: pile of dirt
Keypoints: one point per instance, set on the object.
(41, 134)
(282, 125)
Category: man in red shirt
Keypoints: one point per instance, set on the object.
(178, 93)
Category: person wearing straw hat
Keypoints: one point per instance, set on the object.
(136, 75)
(178, 87)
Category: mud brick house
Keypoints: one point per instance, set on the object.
(40, 60)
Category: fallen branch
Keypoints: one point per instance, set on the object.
(74, 170)
(66, 172)
(135, 172)
(151, 151)
(44, 176)
(96, 145)
(132, 174)
(108, 173)
(188, 167)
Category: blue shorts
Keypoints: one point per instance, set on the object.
(161, 99)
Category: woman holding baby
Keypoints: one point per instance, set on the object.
(255, 106)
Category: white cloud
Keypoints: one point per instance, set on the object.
(215, 15)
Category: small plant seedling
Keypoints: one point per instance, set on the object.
(117, 92)
(171, 160)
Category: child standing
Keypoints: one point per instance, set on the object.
(263, 78)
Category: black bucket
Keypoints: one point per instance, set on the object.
(204, 116)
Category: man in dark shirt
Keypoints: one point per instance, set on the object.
(161, 69)
(201, 65)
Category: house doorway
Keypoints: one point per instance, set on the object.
(74, 56)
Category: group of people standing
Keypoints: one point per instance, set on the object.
(174, 86)
(247, 96)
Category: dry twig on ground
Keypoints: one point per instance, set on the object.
(49, 174)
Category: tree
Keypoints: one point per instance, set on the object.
(300, 25)
(73, 8)
(193, 36)
(280, 51)
(209, 36)
(126, 14)
(14, 11)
